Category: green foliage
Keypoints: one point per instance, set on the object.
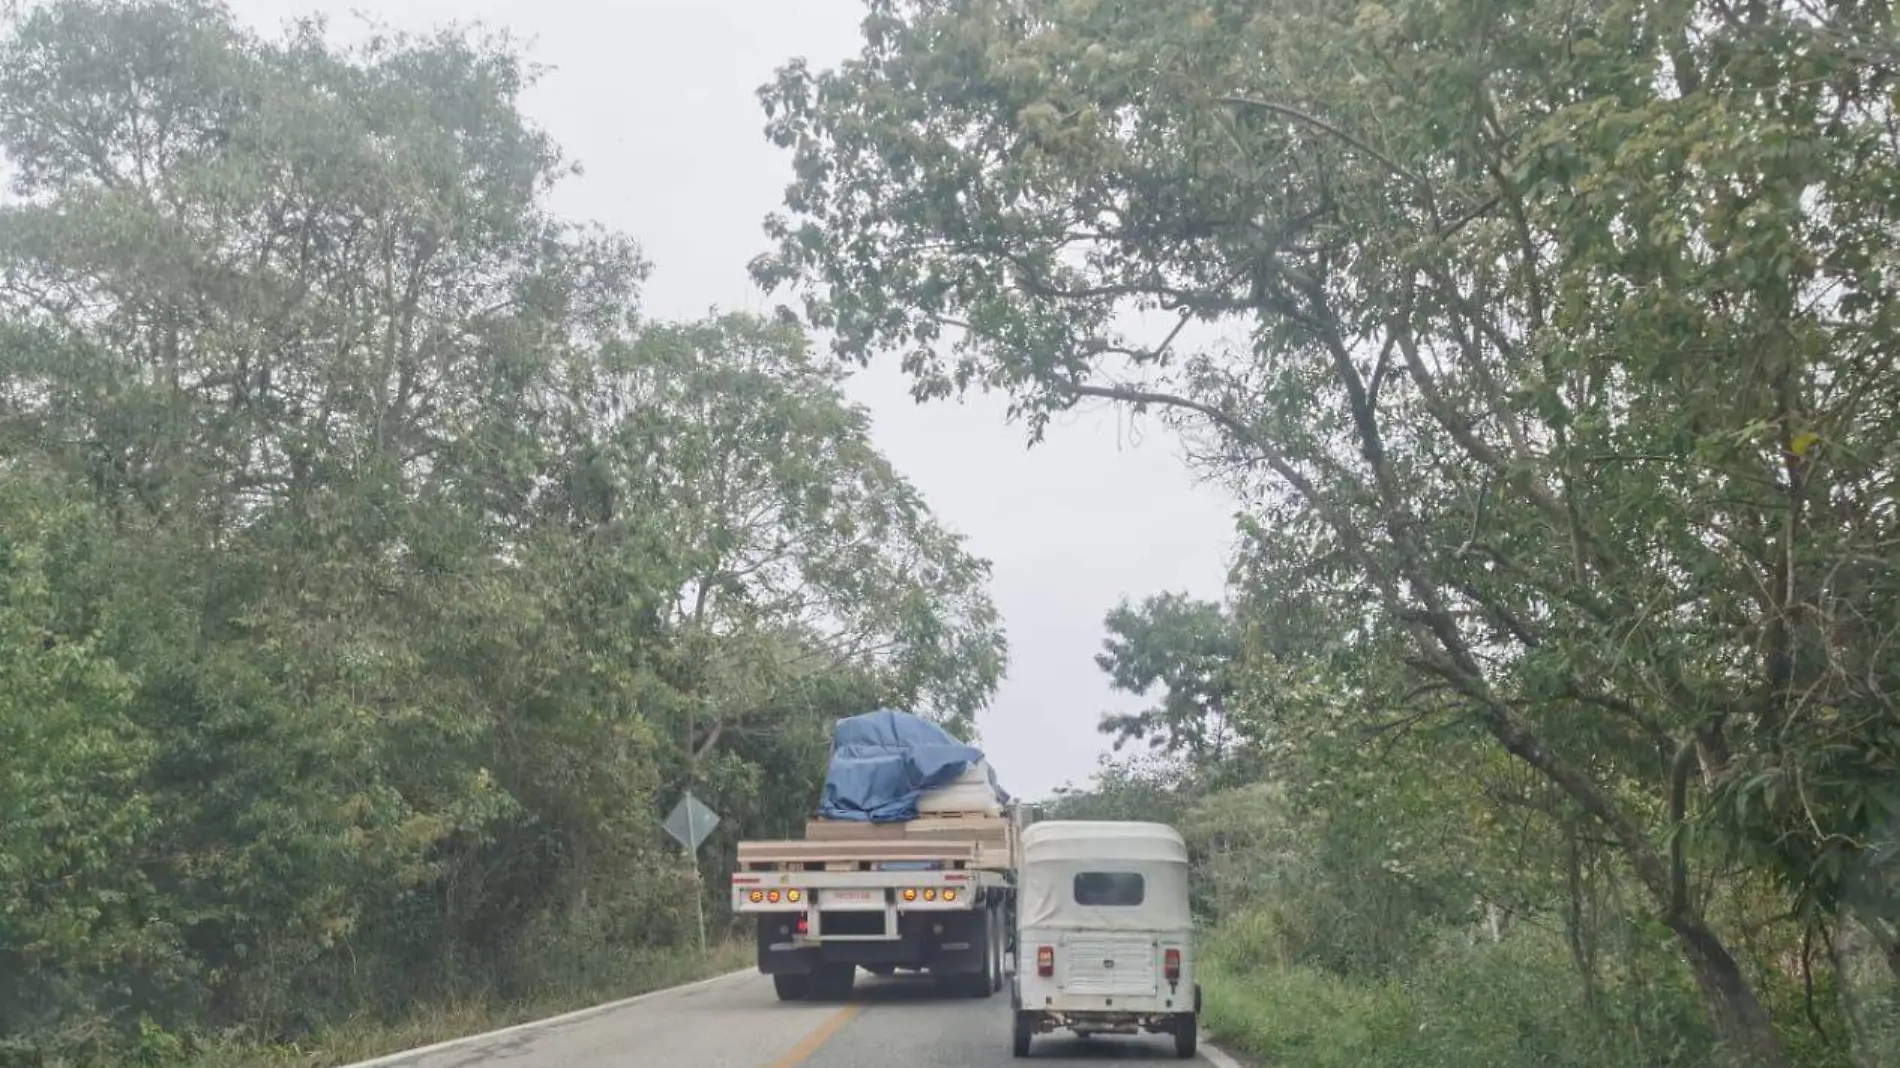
(1478, 1005)
(372, 575)
(73, 912)
(1545, 341)
(1185, 648)
(1144, 788)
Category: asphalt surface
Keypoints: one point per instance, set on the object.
(736, 1022)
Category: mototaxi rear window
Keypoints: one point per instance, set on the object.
(1110, 889)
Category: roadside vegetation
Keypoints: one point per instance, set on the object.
(373, 574)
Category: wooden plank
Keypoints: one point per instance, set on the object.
(956, 823)
(851, 831)
(925, 827)
(895, 850)
(941, 832)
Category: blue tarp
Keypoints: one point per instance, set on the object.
(883, 762)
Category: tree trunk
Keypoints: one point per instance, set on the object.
(1741, 1024)
(1857, 950)
(1581, 954)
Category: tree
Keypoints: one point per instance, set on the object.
(816, 581)
(793, 524)
(1187, 647)
(379, 573)
(1545, 352)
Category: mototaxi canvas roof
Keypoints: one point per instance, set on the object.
(1055, 852)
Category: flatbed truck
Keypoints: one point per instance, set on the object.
(936, 894)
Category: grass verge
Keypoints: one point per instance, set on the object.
(365, 1039)
(1297, 1016)
(1461, 1005)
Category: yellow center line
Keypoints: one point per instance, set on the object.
(816, 1040)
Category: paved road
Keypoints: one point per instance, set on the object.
(735, 1022)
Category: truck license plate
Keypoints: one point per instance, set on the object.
(852, 897)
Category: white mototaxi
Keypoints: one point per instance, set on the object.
(1105, 938)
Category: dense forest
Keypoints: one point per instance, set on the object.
(1550, 716)
(373, 575)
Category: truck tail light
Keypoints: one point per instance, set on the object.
(1045, 961)
(757, 896)
(772, 896)
(1171, 964)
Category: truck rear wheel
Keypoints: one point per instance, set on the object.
(982, 982)
(999, 947)
(833, 982)
(791, 987)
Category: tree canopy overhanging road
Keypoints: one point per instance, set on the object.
(374, 573)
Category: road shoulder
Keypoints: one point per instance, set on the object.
(527, 1026)
(1220, 1058)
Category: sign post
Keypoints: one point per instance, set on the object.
(689, 823)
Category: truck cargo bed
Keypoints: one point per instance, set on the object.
(950, 841)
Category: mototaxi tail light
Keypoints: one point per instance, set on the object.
(1171, 964)
(804, 924)
(1045, 961)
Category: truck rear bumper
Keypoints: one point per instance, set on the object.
(938, 942)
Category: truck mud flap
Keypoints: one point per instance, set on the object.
(778, 953)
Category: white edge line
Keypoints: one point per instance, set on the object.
(1218, 1057)
(401, 1055)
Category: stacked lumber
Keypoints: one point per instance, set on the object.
(990, 835)
(935, 828)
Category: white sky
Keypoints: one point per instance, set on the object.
(656, 101)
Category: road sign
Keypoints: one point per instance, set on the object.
(690, 822)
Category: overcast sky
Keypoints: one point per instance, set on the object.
(656, 101)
